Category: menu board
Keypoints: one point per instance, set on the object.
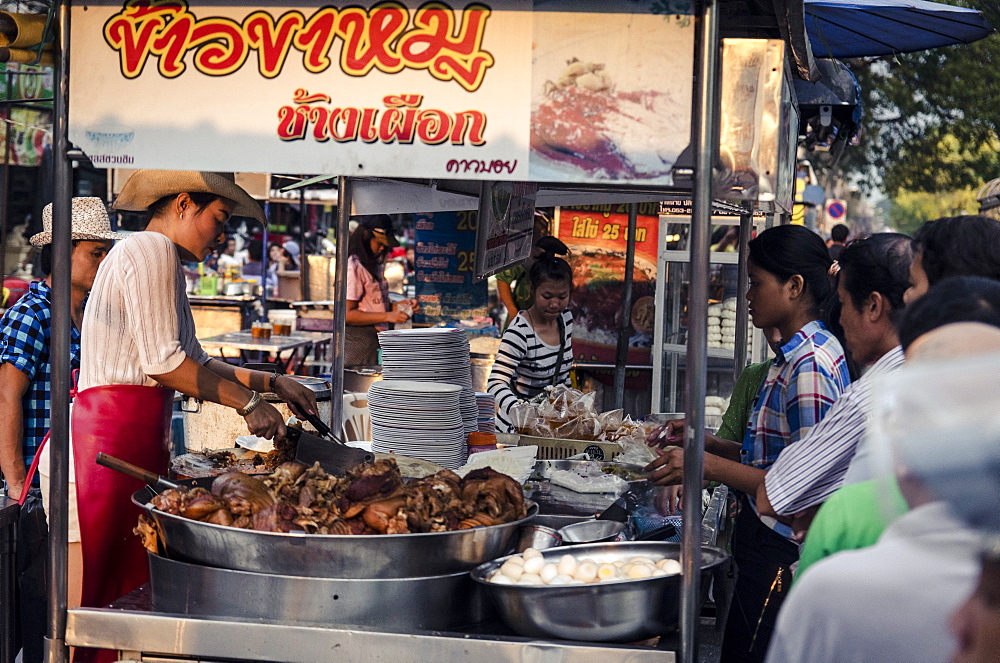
(597, 237)
(506, 219)
(444, 255)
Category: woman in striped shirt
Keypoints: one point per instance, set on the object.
(537, 349)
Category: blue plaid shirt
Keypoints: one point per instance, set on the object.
(24, 343)
(805, 379)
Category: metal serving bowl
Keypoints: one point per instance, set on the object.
(616, 611)
(591, 531)
(330, 555)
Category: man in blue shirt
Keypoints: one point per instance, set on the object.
(25, 369)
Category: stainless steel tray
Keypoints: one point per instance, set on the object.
(430, 603)
(327, 555)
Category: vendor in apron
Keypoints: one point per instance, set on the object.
(139, 346)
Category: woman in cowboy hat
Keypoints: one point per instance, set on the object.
(139, 347)
(26, 386)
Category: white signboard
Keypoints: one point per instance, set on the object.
(550, 90)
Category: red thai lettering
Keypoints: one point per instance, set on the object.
(388, 37)
(316, 39)
(222, 46)
(433, 126)
(347, 118)
(368, 38)
(472, 122)
(292, 122)
(271, 39)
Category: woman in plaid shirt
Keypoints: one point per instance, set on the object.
(790, 289)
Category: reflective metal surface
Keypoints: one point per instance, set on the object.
(436, 602)
(269, 640)
(328, 555)
(539, 537)
(592, 531)
(620, 611)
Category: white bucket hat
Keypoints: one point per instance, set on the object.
(145, 187)
(89, 221)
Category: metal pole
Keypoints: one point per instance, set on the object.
(705, 116)
(5, 200)
(340, 304)
(55, 640)
(265, 268)
(742, 305)
(303, 256)
(621, 355)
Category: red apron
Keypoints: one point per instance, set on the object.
(132, 423)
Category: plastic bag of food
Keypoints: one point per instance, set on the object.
(581, 404)
(611, 420)
(635, 450)
(579, 428)
(522, 416)
(540, 428)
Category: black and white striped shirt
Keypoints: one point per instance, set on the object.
(527, 363)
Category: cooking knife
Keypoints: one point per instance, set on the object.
(334, 457)
(134, 471)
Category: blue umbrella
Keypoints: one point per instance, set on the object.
(857, 28)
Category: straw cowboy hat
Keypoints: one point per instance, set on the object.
(145, 187)
(90, 221)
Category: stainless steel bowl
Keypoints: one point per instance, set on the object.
(618, 611)
(329, 555)
(591, 531)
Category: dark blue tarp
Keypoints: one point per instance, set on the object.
(857, 28)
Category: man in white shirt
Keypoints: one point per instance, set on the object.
(891, 602)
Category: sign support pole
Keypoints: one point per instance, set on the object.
(705, 115)
(340, 305)
(55, 638)
(621, 355)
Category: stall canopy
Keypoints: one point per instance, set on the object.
(859, 28)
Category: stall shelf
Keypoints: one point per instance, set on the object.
(163, 636)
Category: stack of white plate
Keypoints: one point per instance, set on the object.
(434, 354)
(486, 415)
(418, 419)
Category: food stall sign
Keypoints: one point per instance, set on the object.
(506, 219)
(597, 237)
(573, 91)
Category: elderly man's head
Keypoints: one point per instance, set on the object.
(874, 275)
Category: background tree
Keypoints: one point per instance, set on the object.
(931, 119)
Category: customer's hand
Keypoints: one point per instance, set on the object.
(669, 434)
(300, 398)
(667, 469)
(668, 500)
(265, 421)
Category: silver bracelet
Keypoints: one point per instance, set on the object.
(251, 405)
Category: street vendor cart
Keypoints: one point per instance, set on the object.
(419, 107)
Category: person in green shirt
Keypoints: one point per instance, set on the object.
(734, 419)
(852, 518)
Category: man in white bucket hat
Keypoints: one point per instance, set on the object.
(25, 370)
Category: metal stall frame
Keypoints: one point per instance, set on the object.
(226, 639)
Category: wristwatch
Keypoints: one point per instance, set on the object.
(272, 382)
(251, 405)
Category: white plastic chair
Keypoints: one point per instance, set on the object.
(357, 421)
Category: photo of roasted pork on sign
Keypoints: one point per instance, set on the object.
(611, 95)
(371, 499)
